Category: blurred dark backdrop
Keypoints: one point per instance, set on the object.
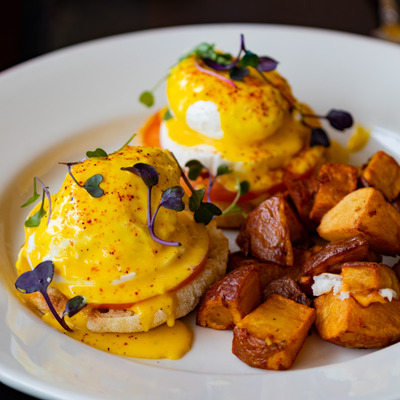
(29, 28)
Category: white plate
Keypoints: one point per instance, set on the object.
(58, 106)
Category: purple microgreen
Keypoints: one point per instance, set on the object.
(237, 73)
(203, 212)
(266, 64)
(167, 115)
(73, 306)
(233, 208)
(91, 185)
(217, 66)
(319, 138)
(96, 153)
(147, 172)
(340, 119)
(214, 74)
(35, 219)
(170, 198)
(195, 169)
(206, 212)
(38, 280)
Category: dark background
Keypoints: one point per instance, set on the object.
(29, 28)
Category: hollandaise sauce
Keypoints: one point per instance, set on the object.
(171, 342)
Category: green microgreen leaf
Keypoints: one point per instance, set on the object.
(206, 212)
(126, 143)
(223, 170)
(237, 73)
(196, 199)
(233, 208)
(195, 169)
(249, 60)
(167, 115)
(147, 98)
(34, 220)
(34, 197)
(73, 306)
(96, 153)
(92, 186)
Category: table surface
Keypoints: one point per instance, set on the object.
(35, 27)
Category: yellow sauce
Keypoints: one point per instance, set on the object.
(358, 140)
(101, 247)
(171, 342)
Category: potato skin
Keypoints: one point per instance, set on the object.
(268, 231)
(337, 252)
(230, 299)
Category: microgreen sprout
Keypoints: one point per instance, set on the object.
(38, 280)
(91, 185)
(170, 198)
(196, 168)
(203, 212)
(233, 208)
(35, 219)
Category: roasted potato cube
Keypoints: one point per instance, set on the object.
(383, 173)
(364, 211)
(361, 276)
(302, 192)
(337, 252)
(271, 336)
(230, 299)
(266, 233)
(335, 182)
(347, 323)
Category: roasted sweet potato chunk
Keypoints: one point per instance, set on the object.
(266, 233)
(383, 173)
(337, 252)
(271, 336)
(364, 211)
(365, 281)
(335, 182)
(230, 299)
(347, 323)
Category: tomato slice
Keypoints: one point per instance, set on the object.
(150, 131)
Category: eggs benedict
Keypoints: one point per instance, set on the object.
(137, 260)
(241, 113)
